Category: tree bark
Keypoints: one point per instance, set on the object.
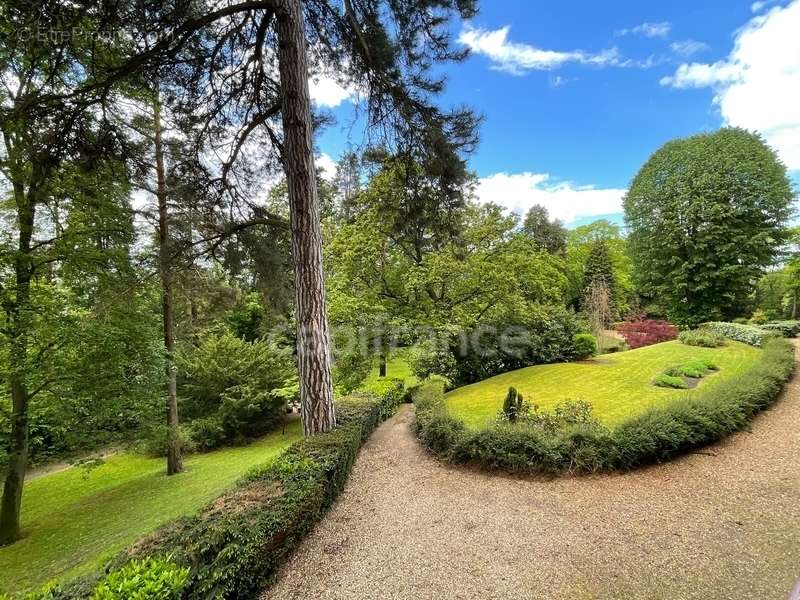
(174, 461)
(313, 345)
(19, 314)
(382, 365)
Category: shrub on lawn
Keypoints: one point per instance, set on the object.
(748, 334)
(585, 345)
(148, 579)
(514, 407)
(583, 445)
(644, 332)
(705, 338)
(234, 546)
(787, 329)
(433, 359)
(232, 390)
(668, 380)
(547, 334)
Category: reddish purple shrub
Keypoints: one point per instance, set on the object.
(643, 332)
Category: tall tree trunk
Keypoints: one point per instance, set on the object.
(19, 314)
(382, 365)
(313, 346)
(174, 462)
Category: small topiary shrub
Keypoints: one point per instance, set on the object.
(666, 380)
(148, 579)
(585, 345)
(748, 334)
(644, 332)
(704, 338)
(514, 407)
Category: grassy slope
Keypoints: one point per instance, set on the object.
(72, 519)
(617, 385)
(397, 367)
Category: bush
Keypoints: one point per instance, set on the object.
(580, 444)
(644, 332)
(232, 390)
(514, 407)
(148, 579)
(701, 337)
(787, 329)
(670, 381)
(585, 345)
(748, 334)
(431, 358)
(545, 335)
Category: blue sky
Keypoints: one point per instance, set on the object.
(576, 95)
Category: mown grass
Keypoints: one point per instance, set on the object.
(618, 386)
(74, 519)
(398, 366)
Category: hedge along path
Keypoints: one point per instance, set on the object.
(723, 522)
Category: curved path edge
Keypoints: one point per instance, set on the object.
(720, 523)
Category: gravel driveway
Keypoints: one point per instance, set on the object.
(721, 523)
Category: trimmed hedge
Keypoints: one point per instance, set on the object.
(787, 329)
(701, 417)
(705, 338)
(234, 546)
(748, 334)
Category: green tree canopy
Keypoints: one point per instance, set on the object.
(706, 216)
(548, 235)
(580, 242)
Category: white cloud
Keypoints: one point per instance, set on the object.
(516, 58)
(650, 30)
(327, 91)
(757, 7)
(758, 85)
(517, 192)
(689, 47)
(327, 164)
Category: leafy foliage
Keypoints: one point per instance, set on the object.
(703, 337)
(599, 270)
(548, 235)
(748, 334)
(670, 381)
(787, 329)
(706, 216)
(643, 332)
(515, 407)
(232, 389)
(580, 242)
(148, 579)
(585, 345)
(545, 335)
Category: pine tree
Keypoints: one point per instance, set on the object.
(599, 271)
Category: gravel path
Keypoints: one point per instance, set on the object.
(722, 523)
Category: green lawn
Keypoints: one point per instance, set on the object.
(72, 519)
(397, 367)
(618, 386)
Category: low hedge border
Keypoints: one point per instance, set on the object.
(748, 334)
(702, 417)
(234, 546)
